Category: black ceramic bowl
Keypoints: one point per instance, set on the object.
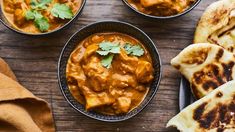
(4, 21)
(99, 27)
(162, 17)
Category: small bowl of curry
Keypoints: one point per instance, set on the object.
(109, 71)
(161, 9)
(39, 17)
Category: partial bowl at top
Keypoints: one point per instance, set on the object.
(163, 9)
(39, 17)
(109, 71)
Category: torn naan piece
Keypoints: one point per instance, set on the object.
(205, 66)
(217, 25)
(213, 113)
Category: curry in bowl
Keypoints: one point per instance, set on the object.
(110, 73)
(38, 16)
(161, 7)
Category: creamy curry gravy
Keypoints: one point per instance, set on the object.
(14, 12)
(114, 90)
(161, 7)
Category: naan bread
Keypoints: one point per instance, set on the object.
(217, 25)
(205, 66)
(213, 113)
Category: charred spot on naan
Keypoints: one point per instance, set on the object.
(195, 91)
(199, 111)
(218, 14)
(219, 54)
(227, 68)
(215, 118)
(219, 95)
(231, 49)
(211, 77)
(211, 40)
(196, 57)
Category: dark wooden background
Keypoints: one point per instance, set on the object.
(34, 60)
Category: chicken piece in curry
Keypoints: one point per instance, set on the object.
(37, 16)
(161, 7)
(110, 73)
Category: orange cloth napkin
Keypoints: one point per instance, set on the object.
(20, 110)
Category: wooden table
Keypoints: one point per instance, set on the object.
(34, 60)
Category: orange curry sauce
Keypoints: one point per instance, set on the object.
(115, 90)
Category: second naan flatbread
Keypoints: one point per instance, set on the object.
(217, 25)
(213, 113)
(205, 66)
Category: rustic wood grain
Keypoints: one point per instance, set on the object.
(34, 60)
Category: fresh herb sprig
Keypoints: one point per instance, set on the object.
(39, 5)
(61, 11)
(135, 50)
(109, 49)
(107, 60)
(39, 20)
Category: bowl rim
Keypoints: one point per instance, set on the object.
(45, 33)
(104, 22)
(162, 17)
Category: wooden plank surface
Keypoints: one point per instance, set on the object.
(34, 60)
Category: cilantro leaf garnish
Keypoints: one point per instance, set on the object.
(29, 15)
(107, 61)
(107, 45)
(62, 11)
(42, 24)
(108, 49)
(135, 50)
(39, 20)
(127, 48)
(103, 53)
(39, 4)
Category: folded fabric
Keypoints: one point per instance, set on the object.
(20, 110)
(6, 70)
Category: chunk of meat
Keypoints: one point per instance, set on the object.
(9, 6)
(124, 63)
(9, 9)
(97, 39)
(27, 2)
(94, 100)
(19, 18)
(116, 92)
(123, 104)
(169, 6)
(18, 3)
(76, 76)
(140, 88)
(144, 72)
(77, 55)
(148, 3)
(75, 72)
(96, 73)
(91, 49)
(122, 81)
